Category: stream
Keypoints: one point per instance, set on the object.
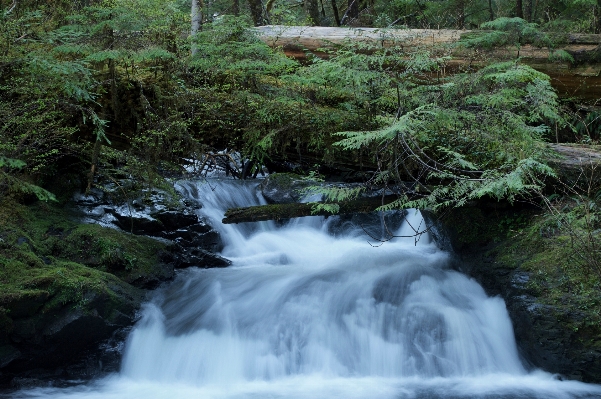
(316, 308)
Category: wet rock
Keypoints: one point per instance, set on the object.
(47, 335)
(25, 305)
(182, 257)
(40, 344)
(137, 225)
(8, 353)
(284, 188)
(544, 333)
(157, 215)
(172, 220)
(551, 334)
(200, 228)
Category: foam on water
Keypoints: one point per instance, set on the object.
(305, 313)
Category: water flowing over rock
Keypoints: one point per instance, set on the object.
(158, 214)
(546, 333)
(302, 313)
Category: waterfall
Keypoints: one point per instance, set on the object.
(313, 309)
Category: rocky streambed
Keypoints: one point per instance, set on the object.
(66, 317)
(73, 277)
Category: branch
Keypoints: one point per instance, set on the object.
(12, 7)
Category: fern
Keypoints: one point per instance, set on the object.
(11, 163)
(321, 207)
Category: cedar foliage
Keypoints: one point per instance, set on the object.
(114, 84)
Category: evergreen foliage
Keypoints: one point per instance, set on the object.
(114, 84)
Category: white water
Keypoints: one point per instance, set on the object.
(304, 313)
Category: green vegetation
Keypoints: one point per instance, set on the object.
(563, 270)
(121, 87)
(48, 261)
(101, 90)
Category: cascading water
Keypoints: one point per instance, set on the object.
(312, 310)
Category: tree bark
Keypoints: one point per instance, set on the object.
(352, 12)
(337, 15)
(12, 7)
(461, 14)
(580, 80)
(312, 7)
(256, 11)
(598, 17)
(236, 8)
(196, 21)
(519, 9)
(491, 14)
(268, 8)
(95, 155)
(295, 210)
(528, 10)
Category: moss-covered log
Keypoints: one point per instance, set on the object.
(295, 210)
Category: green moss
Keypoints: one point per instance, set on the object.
(48, 261)
(284, 181)
(559, 276)
(479, 226)
(559, 258)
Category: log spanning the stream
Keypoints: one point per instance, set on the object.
(582, 79)
(296, 210)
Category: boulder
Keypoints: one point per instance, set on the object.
(41, 343)
(182, 257)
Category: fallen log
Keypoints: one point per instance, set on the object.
(295, 210)
(582, 79)
(578, 166)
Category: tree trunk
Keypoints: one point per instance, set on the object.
(519, 9)
(256, 11)
(236, 8)
(313, 11)
(95, 155)
(196, 21)
(491, 14)
(268, 8)
(335, 11)
(461, 14)
(12, 7)
(583, 82)
(353, 10)
(598, 17)
(528, 10)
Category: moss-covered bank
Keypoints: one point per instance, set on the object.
(546, 274)
(64, 285)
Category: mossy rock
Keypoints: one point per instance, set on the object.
(553, 300)
(64, 286)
